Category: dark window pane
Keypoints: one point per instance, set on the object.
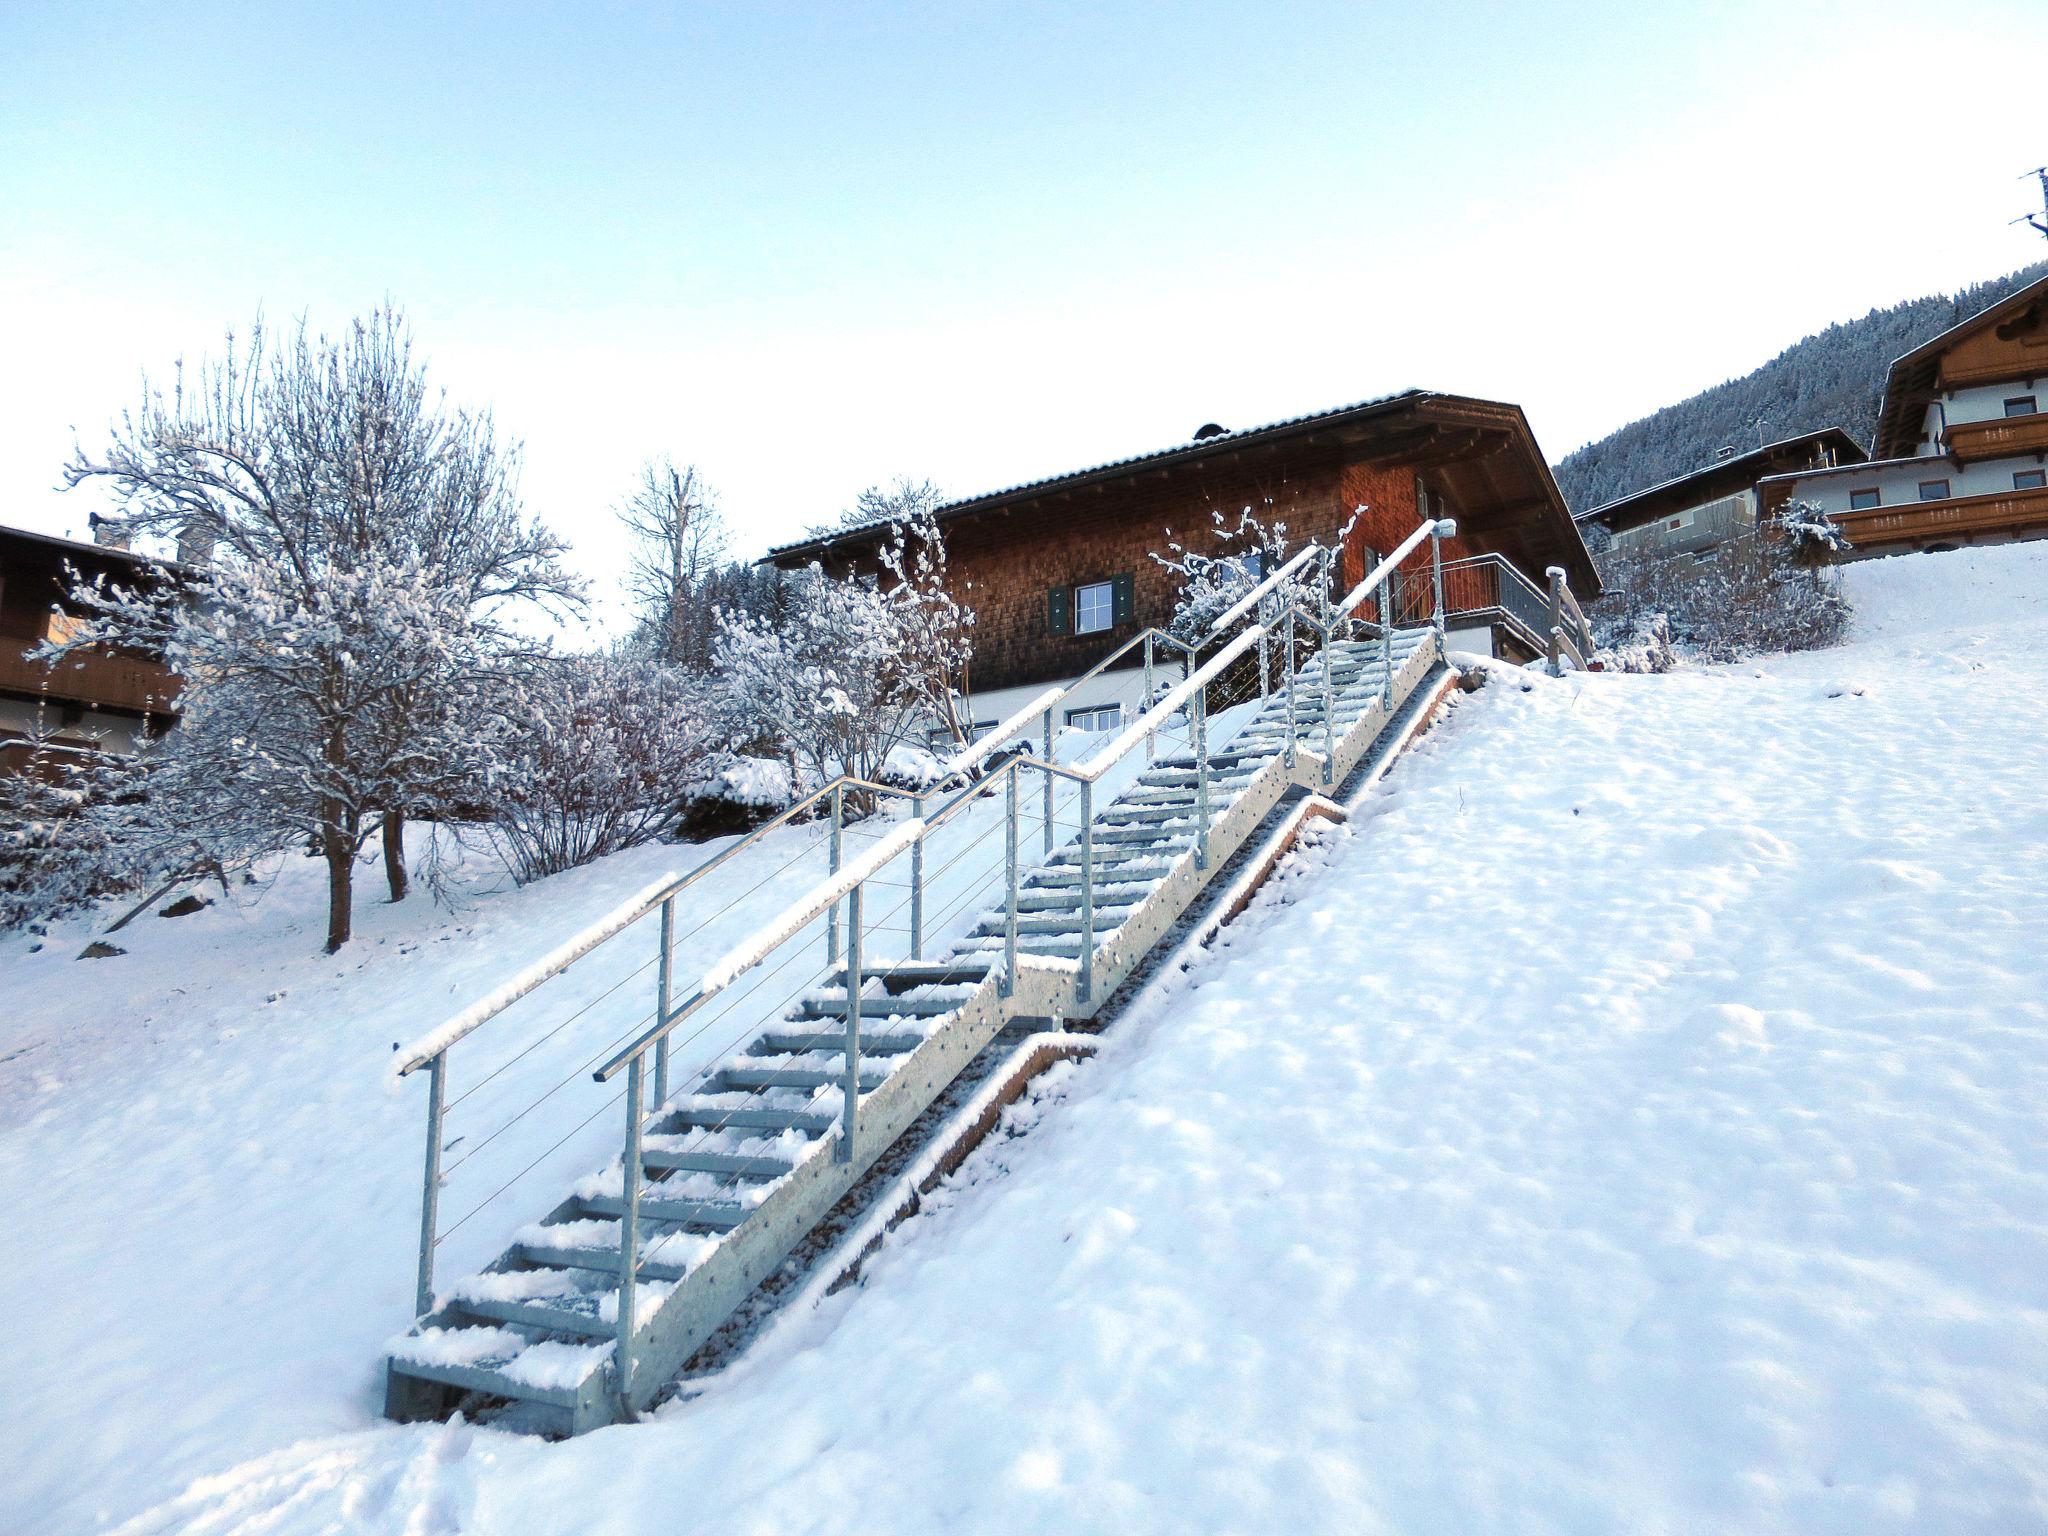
(1861, 500)
(1933, 490)
(2021, 405)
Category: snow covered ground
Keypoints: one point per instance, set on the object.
(1635, 1122)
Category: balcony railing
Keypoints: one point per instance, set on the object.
(1480, 588)
(96, 679)
(1969, 442)
(1957, 517)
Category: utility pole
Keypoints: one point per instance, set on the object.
(2037, 221)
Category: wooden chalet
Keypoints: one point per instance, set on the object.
(97, 701)
(1698, 512)
(1059, 570)
(1961, 455)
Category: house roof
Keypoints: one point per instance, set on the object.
(1737, 468)
(1508, 489)
(1912, 380)
(49, 544)
(1197, 448)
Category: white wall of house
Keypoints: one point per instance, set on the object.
(1697, 527)
(1898, 481)
(1980, 402)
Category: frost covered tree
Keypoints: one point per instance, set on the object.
(934, 628)
(827, 682)
(1813, 535)
(1753, 594)
(599, 757)
(1242, 551)
(678, 557)
(345, 650)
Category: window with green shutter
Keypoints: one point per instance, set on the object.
(1059, 612)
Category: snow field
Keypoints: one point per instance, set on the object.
(1632, 1122)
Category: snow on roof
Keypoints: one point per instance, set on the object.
(1193, 448)
(1607, 507)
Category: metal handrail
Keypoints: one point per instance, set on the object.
(1251, 599)
(846, 882)
(479, 1013)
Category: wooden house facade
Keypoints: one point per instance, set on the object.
(1961, 455)
(95, 701)
(1059, 570)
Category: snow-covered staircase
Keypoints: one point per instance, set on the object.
(736, 1170)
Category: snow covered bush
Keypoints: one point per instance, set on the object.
(934, 629)
(830, 683)
(1813, 535)
(599, 756)
(1751, 595)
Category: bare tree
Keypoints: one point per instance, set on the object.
(367, 542)
(679, 548)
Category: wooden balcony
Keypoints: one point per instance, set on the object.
(1956, 520)
(1969, 442)
(97, 680)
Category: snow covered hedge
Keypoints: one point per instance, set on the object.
(1764, 592)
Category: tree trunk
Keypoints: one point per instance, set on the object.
(394, 854)
(339, 850)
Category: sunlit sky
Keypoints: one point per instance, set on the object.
(812, 247)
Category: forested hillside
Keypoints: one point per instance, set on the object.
(1832, 379)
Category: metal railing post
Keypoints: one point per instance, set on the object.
(1556, 575)
(1151, 742)
(1329, 706)
(917, 885)
(629, 1237)
(1048, 784)
(1387, 643)
(430, 1191)
(838, 832)
(1010, 881)
(663, 996)
(1201, 708)
(1436, 575)
(1087, 891)
(843, 1152)
(1291, 675)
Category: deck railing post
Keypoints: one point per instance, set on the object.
(917, 885)
(1087, 891)
(838, 833)
(1556, 574)
(430, 1190)
(843, 1152)
(1048, 784)
(664, 996)
(629, 1237)
(1009, 985)
(1201, 708)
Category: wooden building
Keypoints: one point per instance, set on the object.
(1059, 570)
(96, 701)
(1697, 512)
(1961, 455)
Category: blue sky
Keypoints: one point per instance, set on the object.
(811, 247)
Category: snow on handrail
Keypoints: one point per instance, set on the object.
(1385, 568)
(1148, 722)
(556, 960)
(821, 897)
(970, 756)
(1250, 600)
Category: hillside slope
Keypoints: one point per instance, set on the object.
(1831, 379)
(1678, 1163)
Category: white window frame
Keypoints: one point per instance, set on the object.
(1096, 717)
(1085, 601)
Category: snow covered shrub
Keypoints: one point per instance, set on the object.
(1247, 549)
(1751, 595)
(1812, 534)
(735, 793)
(600, 756)
(831, 682)
(934, 630)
